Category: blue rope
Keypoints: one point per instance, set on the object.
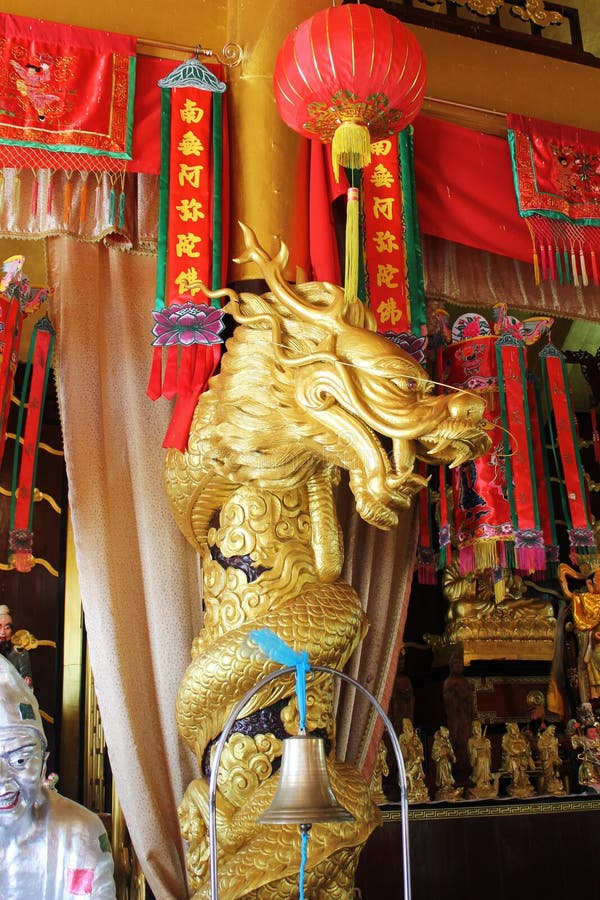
(277, 650)
(303, 857)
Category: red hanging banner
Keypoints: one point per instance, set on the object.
(188, 242)
(581, 536)
(20, 538)
(386, 272)
(191, 231)
(542, 480)
(530, 554)
(482, 518)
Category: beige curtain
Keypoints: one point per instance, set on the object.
(379, 565)
(139, 578)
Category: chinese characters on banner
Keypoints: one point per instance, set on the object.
(188, 253)
(386, 272)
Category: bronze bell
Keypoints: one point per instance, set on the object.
(304, 795)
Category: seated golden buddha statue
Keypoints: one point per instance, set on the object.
(520, 626)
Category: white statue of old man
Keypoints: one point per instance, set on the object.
(51, 848)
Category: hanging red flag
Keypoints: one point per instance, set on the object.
(33, 395)
(530, 554)
(386, 273)
(17, 300)
(191, 237)
(571, 480)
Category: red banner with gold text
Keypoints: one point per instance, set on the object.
(386, 274)
(188, 242)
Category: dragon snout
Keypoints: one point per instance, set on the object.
(467, 407)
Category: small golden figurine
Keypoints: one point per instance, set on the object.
(585, 611)
(379, 772)
(587, 739)
(547, 743)
(484, 782)
(443, 756)
(517, 761)
(413, 756)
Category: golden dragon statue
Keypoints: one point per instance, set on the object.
(306, 387)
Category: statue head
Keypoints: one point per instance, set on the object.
(6, 625)
(476, 728)
(456, 663)
(535, 700)
(22, 750)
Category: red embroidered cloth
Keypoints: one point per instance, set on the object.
(65, 88)
(556, 171)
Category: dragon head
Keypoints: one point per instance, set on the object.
(307, 382)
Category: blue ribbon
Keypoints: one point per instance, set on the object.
(277, 650)
(303, 858)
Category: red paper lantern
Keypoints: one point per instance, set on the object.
(350, 75)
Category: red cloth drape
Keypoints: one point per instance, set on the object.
(465, 190)
(323, 190)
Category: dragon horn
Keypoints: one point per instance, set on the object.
(272, 272)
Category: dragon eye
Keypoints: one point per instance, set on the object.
(411, 384)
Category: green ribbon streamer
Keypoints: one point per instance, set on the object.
(130, 106)
(163, 196)
(414, 254)
(540, 437)
(122, 209)
(217, 223)
(553, 436)
(567, 260)
(559, 266)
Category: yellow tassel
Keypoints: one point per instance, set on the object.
(67, 199)
(352, 246)
(485, 555)
(351, 146)
(536, 266)
(499, 590)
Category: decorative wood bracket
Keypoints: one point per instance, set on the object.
(533, 11)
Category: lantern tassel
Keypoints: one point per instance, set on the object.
(352, 246)
(351, 146)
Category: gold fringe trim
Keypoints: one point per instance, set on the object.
(485, 555)
(351, 146)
